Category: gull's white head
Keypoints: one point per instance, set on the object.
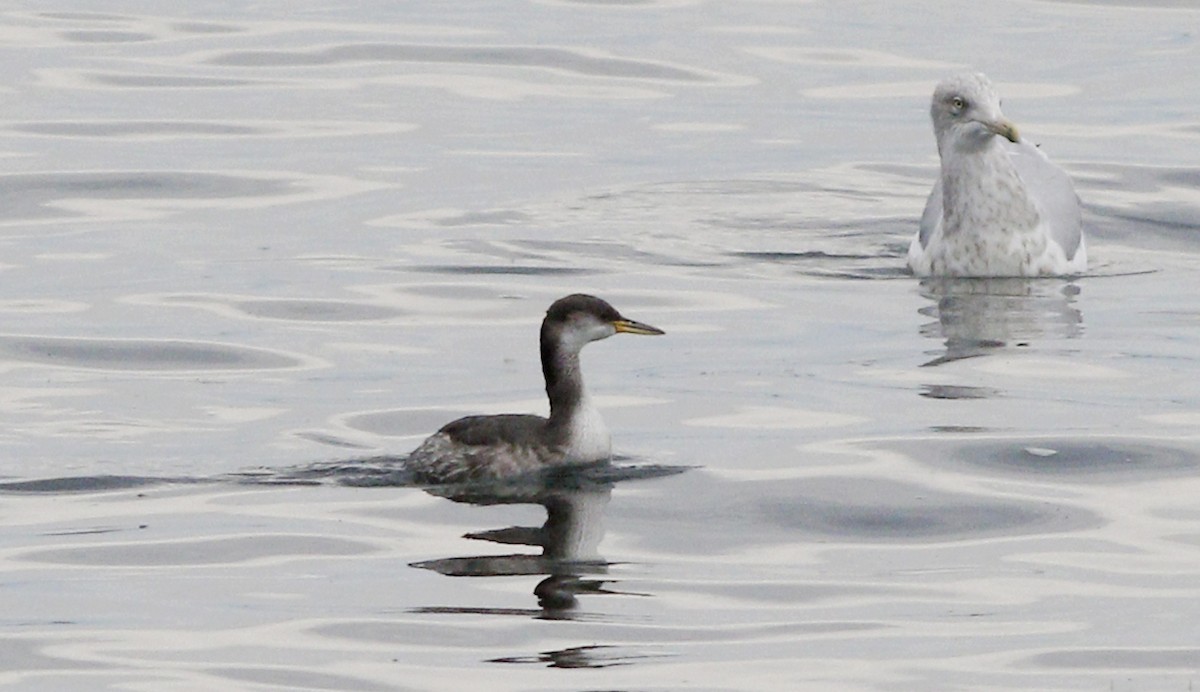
(966, 114)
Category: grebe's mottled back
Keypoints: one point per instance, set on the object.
(999, 207)
(483, 447)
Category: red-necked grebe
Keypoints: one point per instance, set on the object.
(490, 447)
(999, 207)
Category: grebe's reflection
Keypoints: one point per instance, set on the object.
(975, 317)
(575, 500)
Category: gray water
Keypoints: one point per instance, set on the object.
(245, 248)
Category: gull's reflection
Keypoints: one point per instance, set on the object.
(575, 500)
(975, 317)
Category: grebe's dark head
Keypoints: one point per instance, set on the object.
(579, 319)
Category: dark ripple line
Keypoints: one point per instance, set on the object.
(506, 56)
(149, 355)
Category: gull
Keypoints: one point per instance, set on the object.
(999, 207)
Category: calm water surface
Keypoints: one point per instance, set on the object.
(244, 248)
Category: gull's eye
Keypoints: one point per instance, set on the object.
(959, 103)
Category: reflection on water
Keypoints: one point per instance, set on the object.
(574, 497)
(595, 656)
(979, 316)
(575, 500)
(569, 541)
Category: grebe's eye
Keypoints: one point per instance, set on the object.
(959, 103)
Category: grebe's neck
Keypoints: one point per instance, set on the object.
(574, 421)
(564, 380)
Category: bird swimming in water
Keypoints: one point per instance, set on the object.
(492, 447)
(999, 207)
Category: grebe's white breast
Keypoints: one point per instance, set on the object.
(587, 435)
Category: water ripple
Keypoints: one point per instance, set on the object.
(558, 59)
(141, 354)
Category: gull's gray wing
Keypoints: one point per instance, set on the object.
(1051, 190)
(931, 219)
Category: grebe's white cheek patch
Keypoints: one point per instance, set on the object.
(578, 334)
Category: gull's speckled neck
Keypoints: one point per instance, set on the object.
(971, 182)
